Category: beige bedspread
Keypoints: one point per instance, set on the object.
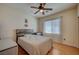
(35, 45)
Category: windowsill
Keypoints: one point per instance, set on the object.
(52, 33)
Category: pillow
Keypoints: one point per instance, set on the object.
(27, 35)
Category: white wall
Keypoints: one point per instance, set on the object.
(12, 19)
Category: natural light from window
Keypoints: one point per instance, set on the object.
(52, 26)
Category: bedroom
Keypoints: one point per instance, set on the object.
(21, 17)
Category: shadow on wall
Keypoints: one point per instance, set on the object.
(14, 35)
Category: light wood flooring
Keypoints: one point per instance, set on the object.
(58, 49)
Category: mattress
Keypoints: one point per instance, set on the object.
(35, 45)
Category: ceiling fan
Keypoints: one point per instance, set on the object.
(41, 8)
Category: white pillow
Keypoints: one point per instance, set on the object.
(27, 35)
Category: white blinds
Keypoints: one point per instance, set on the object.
(52, 26)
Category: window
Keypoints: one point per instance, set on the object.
(52, 26)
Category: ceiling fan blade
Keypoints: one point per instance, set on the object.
(40, 4)
(48, 9)
(36, 11)
(44, 4)
(34, 7)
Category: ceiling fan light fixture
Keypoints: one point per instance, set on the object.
(41, 10)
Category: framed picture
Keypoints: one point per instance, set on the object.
(26, 21)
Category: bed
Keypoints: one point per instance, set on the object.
(35, 44)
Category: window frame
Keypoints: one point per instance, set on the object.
(51, 20)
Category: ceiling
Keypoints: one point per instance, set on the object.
(57, 7)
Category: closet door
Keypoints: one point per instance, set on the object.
(76, 33)
(78, 10)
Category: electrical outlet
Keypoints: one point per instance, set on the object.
(64, 39)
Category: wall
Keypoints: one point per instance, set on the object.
(69, 26)
(12, 19)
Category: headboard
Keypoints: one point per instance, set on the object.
(24, 31)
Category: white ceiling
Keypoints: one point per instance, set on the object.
(57, 7)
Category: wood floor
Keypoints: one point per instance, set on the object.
(58, 49)
(61, 49)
